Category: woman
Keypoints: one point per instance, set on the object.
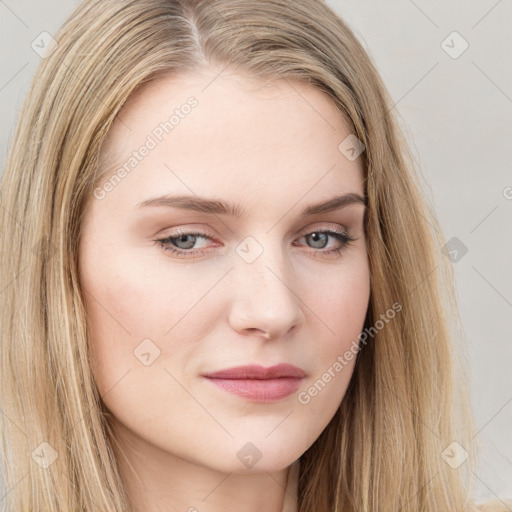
(182, 176)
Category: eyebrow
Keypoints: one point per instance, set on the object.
(218, 207)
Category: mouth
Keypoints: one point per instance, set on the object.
(257, 383)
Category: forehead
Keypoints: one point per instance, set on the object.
(240, 135)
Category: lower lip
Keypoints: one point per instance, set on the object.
(262, 390)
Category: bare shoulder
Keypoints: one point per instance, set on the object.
(498, 505)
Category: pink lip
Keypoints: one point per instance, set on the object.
(258, 383)
(258, 372)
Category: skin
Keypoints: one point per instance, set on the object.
(272, 148)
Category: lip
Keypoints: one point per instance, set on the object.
(255, 371)
(257, 383)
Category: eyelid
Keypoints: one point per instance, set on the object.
(316, 226)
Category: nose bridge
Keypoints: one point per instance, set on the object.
(264, 298)
(263, 261)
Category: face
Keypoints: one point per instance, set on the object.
(176, 289)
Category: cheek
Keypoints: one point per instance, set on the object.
(342, 302)
(347, 310)
(139, 312)
(340, 312)
(130, 293)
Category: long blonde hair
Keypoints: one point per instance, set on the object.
(408, 398)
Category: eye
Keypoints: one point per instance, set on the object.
(184, 242)
(181, 243)
(320, 239)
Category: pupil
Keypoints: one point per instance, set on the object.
(317, 236)
(183, 238)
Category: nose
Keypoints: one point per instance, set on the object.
(265, 299)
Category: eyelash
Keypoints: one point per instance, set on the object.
(341, 236)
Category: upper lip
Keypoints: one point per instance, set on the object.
(258, 372)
